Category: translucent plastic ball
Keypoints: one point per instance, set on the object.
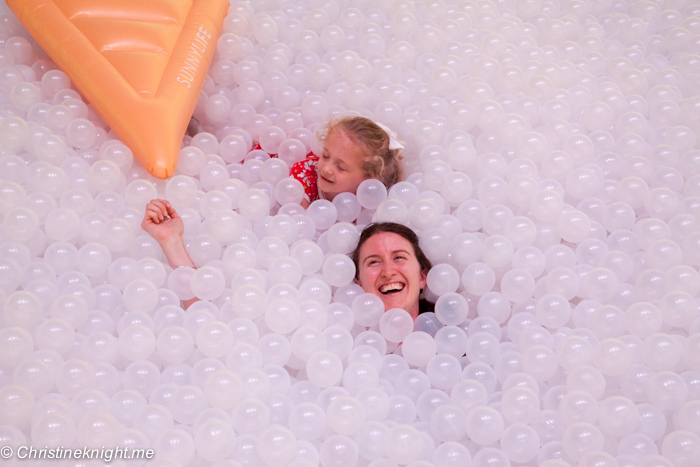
(345, 415)
(574, 226)
(661, 351)
(338, 450)
(175, 443)
(175, 344)
(553, 311)
(618, 416)
(442, 371)
(55, 334)
(586, 378)
(368, 309)
(490, 456)
(680, 447)
(600, 284)
(81, 133)
(323, 213)
(371, 193)
(74, 376)
(306, 341)
(70, 308)
(181, 191)
(214, 339)
(578, 406)
(324, 369)
(291, 151)
(23, 309)
(494, 305)
(98, 428)
(573, 351)
(580, 438)
(307, 420)
(447, 423)
(348, 207)
(136, 342)
(282, 316)
(338, 270)
(451, 308)
(53, 430)
(254, 204)
(117, 235)
(484, 425)
(423, 214)
(478, 278)
(62, 225)
(179, 282)
(214, 440)
(223, 389)
(418, 348)
(140, 295)
(540, 362)
(443, 279)
(520, 405)
(343, 237)
(213, 202)
(277, 445)
(14, 132)
(36, 375)
(520, 442)
(207, 283)
(395, 325)
(104, 175)
(402, 444)
(25, 95)
(392, 210)
(20, 224)
(517, 285)
(667, 390)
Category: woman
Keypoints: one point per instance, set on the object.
(390, 264)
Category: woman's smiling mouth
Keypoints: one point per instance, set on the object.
(391, 288)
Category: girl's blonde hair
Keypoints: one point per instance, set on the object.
(378, 161)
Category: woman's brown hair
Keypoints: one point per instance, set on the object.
(398, 229)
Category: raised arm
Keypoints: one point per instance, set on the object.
(162, 222)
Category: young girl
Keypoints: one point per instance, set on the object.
(355, 149)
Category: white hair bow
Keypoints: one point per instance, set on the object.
(393, 141)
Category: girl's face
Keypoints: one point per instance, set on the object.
(340, 166)
(389, 269)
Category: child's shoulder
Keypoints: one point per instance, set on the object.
(305, 171)
(310, 161)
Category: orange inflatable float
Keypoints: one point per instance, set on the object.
(141, 63)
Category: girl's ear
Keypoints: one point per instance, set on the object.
(423, 279)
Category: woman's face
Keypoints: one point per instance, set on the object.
(340, 166)
(388, 268)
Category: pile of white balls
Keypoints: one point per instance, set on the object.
(553, 176)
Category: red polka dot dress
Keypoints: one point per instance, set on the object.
(305, 172)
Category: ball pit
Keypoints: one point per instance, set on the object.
(552, 173)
